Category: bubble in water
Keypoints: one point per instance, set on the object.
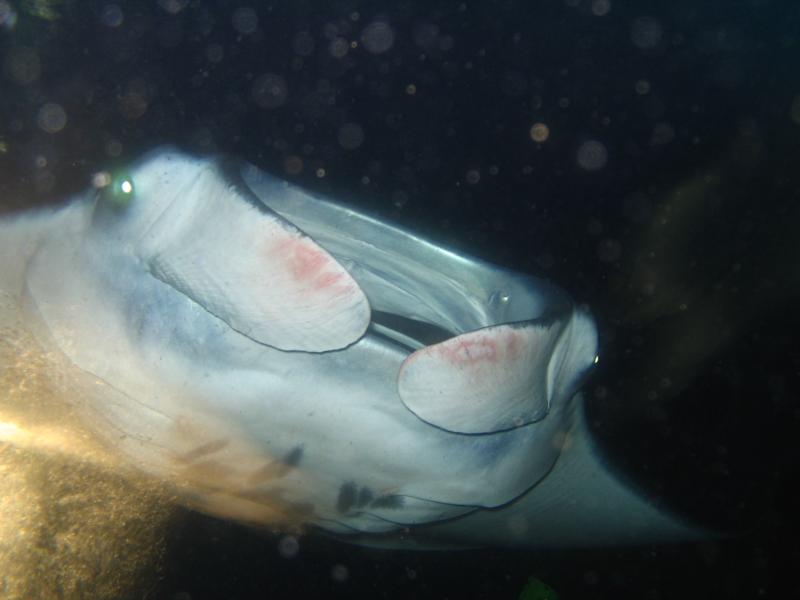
(288, 546)
(303, 43)
(111, 15)
(646, 32)
(351, 136)
(539, 132)
(245, 20)
(377, 37)
(51, 118)
(22, 64)
(592, 155)
(270, 91)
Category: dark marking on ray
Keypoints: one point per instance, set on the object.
(348, 495)
(293, 458)
(365, 496)
(388, 502)
(204, 450)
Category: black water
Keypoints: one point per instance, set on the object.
(663, 191)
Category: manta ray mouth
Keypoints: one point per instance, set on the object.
(411, 333)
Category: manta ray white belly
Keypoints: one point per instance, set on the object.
(285, 360)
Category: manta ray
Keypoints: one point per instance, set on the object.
(284, 360)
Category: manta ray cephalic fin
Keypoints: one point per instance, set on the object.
(254, 270)
(499, 377)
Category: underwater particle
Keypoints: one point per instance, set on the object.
(351, 136)
(173, 7)
(320, 172)
(377, 37)
(293, 165)
(339, 573)
(288, 546)
(646, 32)
(494, 170)
(592, 155)
(22, 64)
(244, 20)
(517, 525)
(303, 43)
(601, 8)
(114, 148)
(473, 176)
(411, 89)
(535, 589)
(51, 118)
(215, 53)
(133, 102)
(663, 133)
(609, 250)
(111, 15)
(642, 87)
(101, 179)
(399, 199)
(539, 132)
(46, 10)
(270, 91)
(338, 48)
(794, 111)
(425, 35)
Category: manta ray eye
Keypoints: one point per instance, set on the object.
(116, 189)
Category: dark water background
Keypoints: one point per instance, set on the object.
(665, 194)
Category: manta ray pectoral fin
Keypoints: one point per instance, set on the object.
(499, 377)
(253, 269)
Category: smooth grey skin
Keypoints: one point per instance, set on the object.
(287, 438)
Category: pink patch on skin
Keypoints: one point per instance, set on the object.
(469, 351)
(513, 344)
(307, 263)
